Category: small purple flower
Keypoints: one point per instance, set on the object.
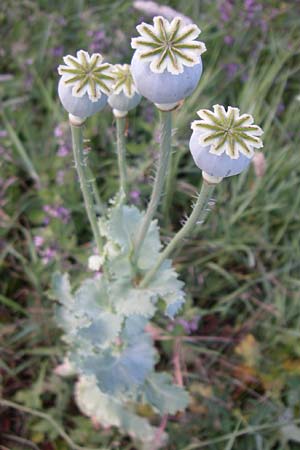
(280, 109)
(48, 255)
(59, 130)
(38, 241)
(63, 138)
(99, 42)
(231, 69)
(226, 9)
(58, 212)
(135, 195)
(63, 151)
(57, 52)
(60, 177)
(228, 40)
(190, 326)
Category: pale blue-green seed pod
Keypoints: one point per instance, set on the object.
(167, 65)
(79, 106)
(123, 103)
(164, 87)
(85, 83)
(223, 142)
(124, 96)
(216, 165)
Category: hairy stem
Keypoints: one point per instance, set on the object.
(198, 215)
(121, 148)
(164, 157)
(85, 182)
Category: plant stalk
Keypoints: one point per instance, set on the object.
(121, 148)
(85, 182)
(163, 165)
(198, 215)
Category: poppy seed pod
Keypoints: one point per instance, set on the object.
(124, 95)
(223, 142)
(166, 65)
(85, 84)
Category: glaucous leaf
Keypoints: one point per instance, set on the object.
(161, 393)
(119, 369)
(109, 411)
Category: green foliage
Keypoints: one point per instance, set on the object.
(166, 397)
(241, 271)
(104, 324)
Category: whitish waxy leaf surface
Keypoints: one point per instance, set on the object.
(123, 80)
(168, 45)
(87, 317)
(164, 395)
(121, 229)
(108, 411)
(118, 370)
(87, 74)
(227, 131)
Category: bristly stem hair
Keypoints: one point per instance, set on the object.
(121, 149)
(198, 215)
(163, 166)
(85, 182)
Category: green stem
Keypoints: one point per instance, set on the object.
(170, 187)
(100, 208)
(85, 183)
(163, 163)
(121, 147)
(198, 215)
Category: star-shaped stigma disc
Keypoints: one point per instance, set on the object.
(123, 80)
(168, 45)
(87, 74)
(227, 131)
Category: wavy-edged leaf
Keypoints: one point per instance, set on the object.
(110, 412)
(121, 369)
(66, 315)
(92, 297)
(123, 227)
(103, 330)
(160, 392)
(167, 286)
(129, 300)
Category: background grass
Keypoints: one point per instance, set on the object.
(241, 359)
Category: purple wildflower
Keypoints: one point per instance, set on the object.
(99, 42)
(57, 51)
(135, 195)
(60, 177)
(228, 40)
(58, 212)
(226, 9)
(190, 326)
(231, 69)
(63, 151)
(38, 241)
(48, 255)
(63, 138)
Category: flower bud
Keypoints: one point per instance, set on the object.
(85, 84)
(223, 142)
(95, 262)
(166, 65)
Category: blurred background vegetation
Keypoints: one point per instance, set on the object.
(238, 337)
